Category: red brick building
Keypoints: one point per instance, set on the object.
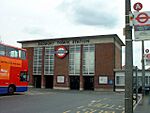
(82, 63)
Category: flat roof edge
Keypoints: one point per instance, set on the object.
(90, 36)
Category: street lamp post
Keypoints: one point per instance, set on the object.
(128, 61)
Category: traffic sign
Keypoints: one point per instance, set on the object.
(147, 59)
(138, 6)
(148, 56)
(141, 24)
(147, 50)
(142, 17)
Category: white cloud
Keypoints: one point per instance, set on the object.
(37, 19)
(92, 13)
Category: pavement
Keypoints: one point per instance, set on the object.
(144, 105)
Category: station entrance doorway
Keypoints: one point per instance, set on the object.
(88, 82)
(75, 82)
(49, 81)
(37, 81)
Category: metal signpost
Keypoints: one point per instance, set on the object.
(128, 61)
(136, 81)
(142, 32)
(141, 23)
(143, 70)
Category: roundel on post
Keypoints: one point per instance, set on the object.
(61, 52)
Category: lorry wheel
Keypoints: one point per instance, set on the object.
(11, 90)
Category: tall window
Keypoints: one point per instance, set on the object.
(49, 61)
(74, 60)
(88, 59)
(37, 61)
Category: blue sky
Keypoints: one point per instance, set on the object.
(41, 19)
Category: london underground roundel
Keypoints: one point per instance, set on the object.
(61, 51)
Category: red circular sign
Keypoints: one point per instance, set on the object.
(148, 56)
(61, 51)
(142, 17)
(138, 6)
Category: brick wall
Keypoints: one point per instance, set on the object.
(30, 63)
(61, 68)
(104, 64)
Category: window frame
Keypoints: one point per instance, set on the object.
(49, 58)
(37, 61)
(74, 59)
(87, 67)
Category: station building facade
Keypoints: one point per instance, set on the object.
(81, 63)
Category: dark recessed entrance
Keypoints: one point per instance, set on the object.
(37, 81)
(48, 81)
(88, 82)
(74, 82)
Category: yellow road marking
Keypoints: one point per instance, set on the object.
(93, 111)
(80, 107)
(102, 111)
(67, 111)
(109, 112)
